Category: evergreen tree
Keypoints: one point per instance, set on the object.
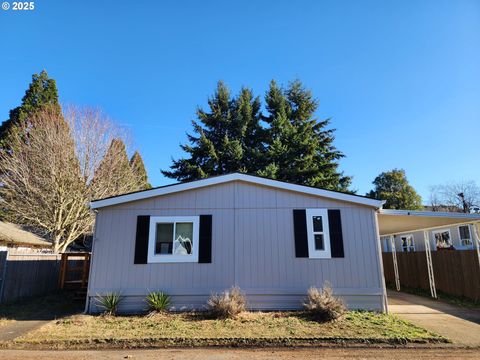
(293, 147)
(393, 187)
(300, 148)
(114, 175)
(41, 93)
(138, 168)
(226, 138)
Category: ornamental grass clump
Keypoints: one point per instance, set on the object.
(109, 302)
(228, 304)
(158, 301)
(322, 305)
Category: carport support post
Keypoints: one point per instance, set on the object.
(476, 239)
(395, 264)
(428, 253)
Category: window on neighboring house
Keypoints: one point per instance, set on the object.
(318, 234)
(465, 236)
(408, 243)
(442, 238)
(386, 244)
(173, 239)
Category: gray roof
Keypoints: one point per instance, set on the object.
(15, 235)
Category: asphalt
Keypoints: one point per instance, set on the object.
(20, 327)
(459, 324)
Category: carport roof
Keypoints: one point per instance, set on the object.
(391, 222)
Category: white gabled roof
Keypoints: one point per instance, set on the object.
(170, 189)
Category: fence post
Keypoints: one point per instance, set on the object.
(3, 271)
(428, 253)
(395, 264)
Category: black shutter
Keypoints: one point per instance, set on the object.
(336, 237)
(205, 239)
(141, 242)
(300, 233)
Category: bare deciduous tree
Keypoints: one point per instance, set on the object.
(463, 196)
(57, 165)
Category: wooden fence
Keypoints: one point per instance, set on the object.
(25, 275)
(456, 272)
(36, 274)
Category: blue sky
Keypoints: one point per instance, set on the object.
(400, 80)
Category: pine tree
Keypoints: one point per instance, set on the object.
(138, 168)
(300, 148)
(42, 92)
(394, 188)
(293, 147)
(226, 138)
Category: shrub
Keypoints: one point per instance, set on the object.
(228, 304)
(109, 302)
(322, 305)
(158, 301)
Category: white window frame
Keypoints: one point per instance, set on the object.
(439, 231)
(312, 252)
(165, 258)
(406, 236)
(460, 237)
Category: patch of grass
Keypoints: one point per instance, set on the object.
(40, 308)
(5, 321)
(196, 328)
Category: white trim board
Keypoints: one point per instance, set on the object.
(377, 204)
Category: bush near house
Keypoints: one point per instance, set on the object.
(228, 304)
(322, 305)
(158, 301)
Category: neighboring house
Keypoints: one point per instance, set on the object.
(17, 240)
(272, 239)
(457, 237)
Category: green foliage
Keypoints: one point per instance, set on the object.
(158, 301)
(225, 138)
(393, 187)
(287, 143)
(138, 168)
(300, 147)
(42, 92)
(109, 302)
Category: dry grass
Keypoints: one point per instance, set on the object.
(227, 305)
(5, 321)
(322, 305)
(247, 325)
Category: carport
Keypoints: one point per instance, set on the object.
(397, 222)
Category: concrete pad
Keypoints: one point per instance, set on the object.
(460, 325)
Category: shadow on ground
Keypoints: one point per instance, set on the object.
(49, 307)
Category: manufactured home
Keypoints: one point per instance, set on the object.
(272, 239)
(458, 237)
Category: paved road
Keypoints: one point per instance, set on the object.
(232, 354)
(18, 328)
(461, 325)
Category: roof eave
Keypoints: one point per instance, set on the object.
(121, 199)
